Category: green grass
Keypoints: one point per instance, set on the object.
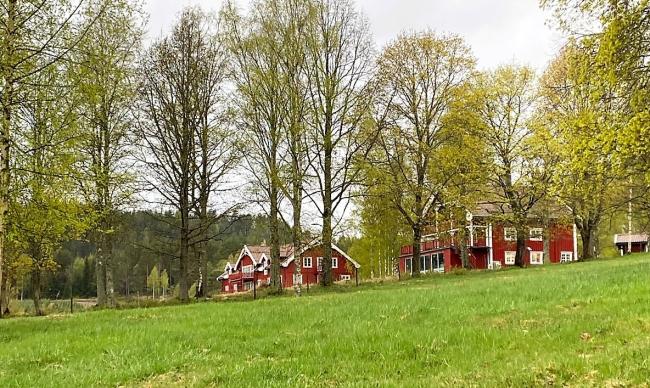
(585, 324)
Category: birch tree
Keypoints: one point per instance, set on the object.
(339, 68)
(105, 71)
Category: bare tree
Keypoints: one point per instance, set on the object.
(181, 95)
(339, 67)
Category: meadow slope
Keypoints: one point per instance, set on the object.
(577, 324)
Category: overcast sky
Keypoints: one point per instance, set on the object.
(499, 31)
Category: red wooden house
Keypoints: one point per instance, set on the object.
(254, 265)
(491, 243)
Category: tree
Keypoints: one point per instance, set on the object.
(154, 281)
(267, 104)
(418, 75)
(581, 122)
(35, 35)
(105, 70)
(338, 70)
(46, 211)
(503, 102)
(164, 282)
(180, 93)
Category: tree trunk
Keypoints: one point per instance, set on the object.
(274, 229)
(183, 286)
(416, 247)
(36, 290)
(326, 274)
(520, 257)
(588, 242)
(100, 273)
(8, 91)
(296, 231)
(108, 270)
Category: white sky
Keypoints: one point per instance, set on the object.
(498, 31)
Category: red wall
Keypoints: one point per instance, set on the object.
(561, 239)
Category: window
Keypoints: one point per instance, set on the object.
(319, 262)
(510, 234)
(566, 257)
(297, 278)
(409, 265)
(438, 262)
(335, 262)
(236, 287)
(536, 234)
(247, 269)
(509, 257)
(345, 277)
(423, 263)
(536, 257)
(306, 262)
(227, 288)
(248, 286)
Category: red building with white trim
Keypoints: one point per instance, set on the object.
(254, 265)
(491, 243)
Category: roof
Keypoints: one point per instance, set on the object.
(317, 242)
(487, 209)
(627, 238)
(259, 252)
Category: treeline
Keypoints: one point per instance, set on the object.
(144, 240)
(289, 107)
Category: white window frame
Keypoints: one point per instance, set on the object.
(509, 257)
(319, 262)
(247, 269)
(346, 277)
(306, 260)
(536, 234)
(227, 288)
(539, 254)
(509, 230)
(335, 262)
(297, 278)
(568, 254)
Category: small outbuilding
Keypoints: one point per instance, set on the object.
(637, 243)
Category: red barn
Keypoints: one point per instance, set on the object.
(491, 243)
(254, 265)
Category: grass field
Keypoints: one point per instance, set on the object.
(585, 324)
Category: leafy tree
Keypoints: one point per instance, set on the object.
(338, 72)
(35, 35)
(105, 66)
(581, 123)
(154, 281)
(418, 75)
(503, 102)
(164, 282)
